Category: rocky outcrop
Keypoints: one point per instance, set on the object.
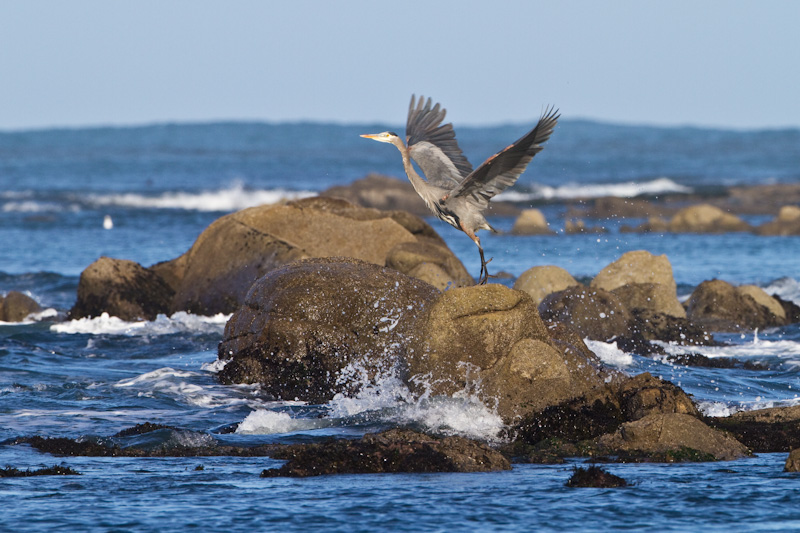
(719, 306)
(490, 339)
(705, 218)
(396, 450)
(301, 325)
(214, 275)
(776, 429)
(15, 307)
(787, 222)
(531, 222)
(121, 288)
(541, 281)
(642, 281)
(672, 437)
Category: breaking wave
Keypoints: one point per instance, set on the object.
(180, 322)
(629, 189)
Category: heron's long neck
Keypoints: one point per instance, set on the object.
(420, 185)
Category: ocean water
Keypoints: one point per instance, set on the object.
(161, 185)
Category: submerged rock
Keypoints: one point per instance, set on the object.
(793, 461)
(594, 476)
(54, 470)
(396, 450)
(15, 307)
(302, 324)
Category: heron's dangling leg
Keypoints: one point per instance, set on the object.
(484, 276)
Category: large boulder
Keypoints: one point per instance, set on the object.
(705, 218)
(235, 250)
(15, 307)
(121, 288)
(531, 222)
(214, 275)
(491, 341)
(673, 437)
(310, 329)
(642, 281)
(541, 281)
(719, 306)
(595, 313)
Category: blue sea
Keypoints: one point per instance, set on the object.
(159, 186)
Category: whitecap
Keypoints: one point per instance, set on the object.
(629, 189)
(609, 353)
(268, 422)
(756, 348)
(233, 198)
(785, 288)
(178, 384)
(180, 322)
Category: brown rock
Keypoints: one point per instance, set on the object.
(793, 461)
(705, 218)
(674, 437)
(719, 306)
(642, 281)
(594, 313)
(396, 450)
(541, 281)
(531, 222)
(772, 430)
(762, 298)
(15, 307)
(490, 339)
(644, 395)
(786, 223)
(121, 288)
(215, 274)
(302, 324)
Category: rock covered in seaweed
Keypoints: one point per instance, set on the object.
(396, 450)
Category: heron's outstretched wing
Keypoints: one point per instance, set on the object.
(502, 169)
(433, 146)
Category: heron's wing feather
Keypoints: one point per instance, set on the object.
(502, 169)
(433, 146)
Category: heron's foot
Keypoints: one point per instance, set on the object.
(484, 275)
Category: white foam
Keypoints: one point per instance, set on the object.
(267, 422)
(609, 353)
(233, 198)
(180, 322)
(629, 189)
(757, 348)
(785, 288)
(178, 384)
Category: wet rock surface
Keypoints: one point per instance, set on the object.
(719, 306)
(595, 476)
(793, 461)
(121, 288)
(302, 324)
(15, 307)
(396, 450)
(776, 429)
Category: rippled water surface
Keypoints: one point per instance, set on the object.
(163, 185)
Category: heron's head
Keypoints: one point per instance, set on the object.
(385, 137)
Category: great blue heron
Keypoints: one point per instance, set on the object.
(454, 192)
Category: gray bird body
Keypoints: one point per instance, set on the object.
(454, 192)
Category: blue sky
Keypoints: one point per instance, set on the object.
(108, 62)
